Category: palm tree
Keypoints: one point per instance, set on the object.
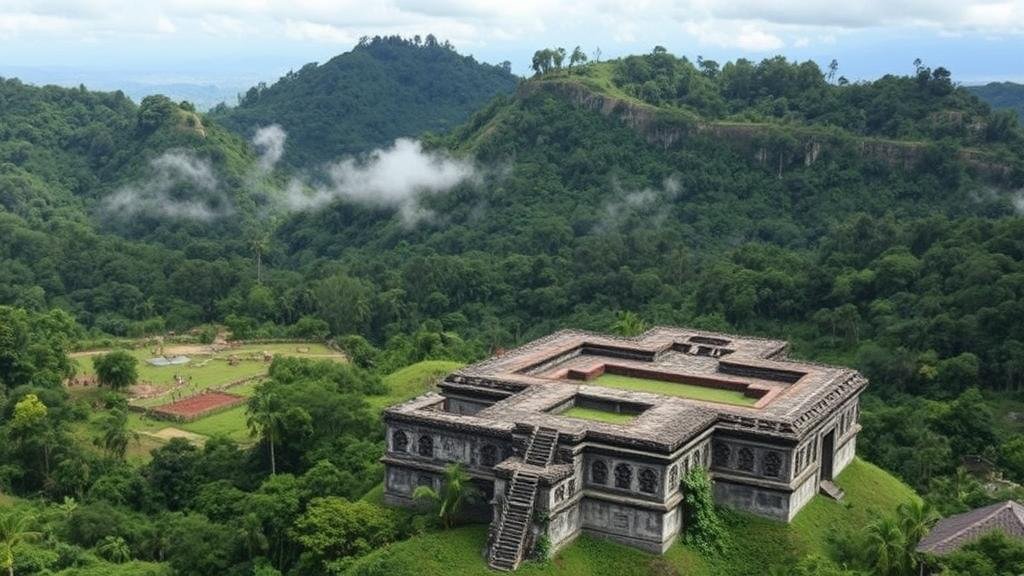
(115, 434)
(457, 490)
(13, 531)
(886, 548)
(68, 507)
(251, 534)
(114, 549)
(265, 420)
(629, 324)
(915, 519)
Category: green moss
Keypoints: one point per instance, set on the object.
(598, 415)
(749, 541)
(691, 391)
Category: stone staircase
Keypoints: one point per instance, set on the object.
(828, 488)
(507, 548)
(542, 447)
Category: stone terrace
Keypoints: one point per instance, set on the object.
(797, 394)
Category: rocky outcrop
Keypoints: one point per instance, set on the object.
(775, 146)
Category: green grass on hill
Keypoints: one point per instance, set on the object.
(692, 391)
(412, 381)
(459, 552)
(598, 415)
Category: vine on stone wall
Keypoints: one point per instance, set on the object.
(702, 528)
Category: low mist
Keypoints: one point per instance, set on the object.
(177, 185)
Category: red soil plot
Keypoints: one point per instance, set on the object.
(199, 405)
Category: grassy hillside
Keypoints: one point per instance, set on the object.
(383, 89)
(869, 491)
(412, 381)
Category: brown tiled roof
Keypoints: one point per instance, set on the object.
(951, 533)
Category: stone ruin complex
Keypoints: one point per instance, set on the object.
(548, 474)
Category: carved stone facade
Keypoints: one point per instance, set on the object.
(503, 420)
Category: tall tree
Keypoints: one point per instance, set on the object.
(117, 369)
(265, 419)
(114, 433)
(14, 530)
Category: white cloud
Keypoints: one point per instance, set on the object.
(505, 29)
(178, 185)
(269, 142)
(483, 20)
(397, 177)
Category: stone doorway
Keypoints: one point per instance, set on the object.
(828, 455)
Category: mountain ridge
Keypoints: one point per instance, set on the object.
(383, 89)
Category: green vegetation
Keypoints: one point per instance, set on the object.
(1002, 95)
(411, 381)
(692, 391)
(894, 247)
(385, 88)
(598, 415)
(870, 491)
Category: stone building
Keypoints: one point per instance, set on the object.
(580, 432)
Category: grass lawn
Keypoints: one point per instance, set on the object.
(691, 391)
(598, 415)
(411, 381)
(459, 552)
(230, 423)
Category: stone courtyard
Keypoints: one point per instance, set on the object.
(558, 453)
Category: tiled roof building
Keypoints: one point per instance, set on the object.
(956, 531)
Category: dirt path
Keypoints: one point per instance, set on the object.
(171, 432)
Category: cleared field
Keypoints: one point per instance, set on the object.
(199, 404)
(207, 369)
(705, 393)
(598, 415)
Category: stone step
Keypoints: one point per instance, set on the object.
(828, 488)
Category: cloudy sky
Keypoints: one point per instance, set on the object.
(238, 41)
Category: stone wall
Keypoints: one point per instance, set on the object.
(844, 455)
(757, 500)
(642, 528)
(565, 526)
(629, 477)
(802, 495)
(466, 406)
(754, 459)
(441, 446)
(400, 483)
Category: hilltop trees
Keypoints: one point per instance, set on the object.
(385, 88)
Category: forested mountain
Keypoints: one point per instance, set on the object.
(1008, 95)
(383, 89)
(875, 224)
